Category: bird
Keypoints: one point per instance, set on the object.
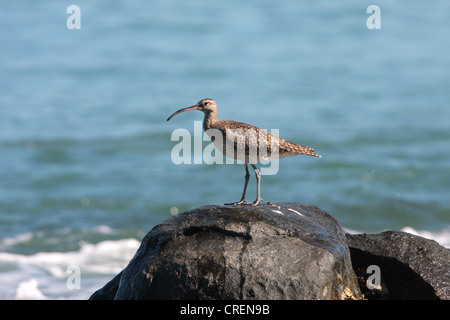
(244, 142)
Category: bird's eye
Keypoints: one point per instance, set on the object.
(206, 103)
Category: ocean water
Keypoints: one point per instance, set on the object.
(85, 165)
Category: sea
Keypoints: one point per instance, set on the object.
(86, 153)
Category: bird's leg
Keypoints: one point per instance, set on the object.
(258, 180)
(247, 177)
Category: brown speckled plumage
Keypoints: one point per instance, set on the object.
(244, 142)
(285, 148)
(257, 138)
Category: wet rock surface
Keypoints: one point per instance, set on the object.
(281, 251)
(410, 267)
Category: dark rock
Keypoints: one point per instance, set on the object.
(283, 251)
(411, 267)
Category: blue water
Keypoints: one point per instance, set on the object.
(86, 150)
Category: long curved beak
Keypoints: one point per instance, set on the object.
(196, 107)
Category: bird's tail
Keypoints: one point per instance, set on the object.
(309, 151)
(295, 149)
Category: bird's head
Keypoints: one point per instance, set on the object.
(204, 105)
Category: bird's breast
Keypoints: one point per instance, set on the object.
(248, 146)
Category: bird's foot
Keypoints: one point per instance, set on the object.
(241, 202)
(256, 202)
(245, 202)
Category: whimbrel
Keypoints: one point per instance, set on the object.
(244, 142)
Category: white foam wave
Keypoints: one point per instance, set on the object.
(24, 238)
(28, 290)
(21, 238)
(45, 274)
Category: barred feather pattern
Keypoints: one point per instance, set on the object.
(251, 144)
